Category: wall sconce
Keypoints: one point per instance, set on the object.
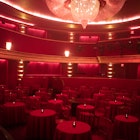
(8, 45)
(20, 70)
(71, 37)
(69, 69)
(122, 65)
(67, 53)
(132, 32)
(22, 28)
(110, 70)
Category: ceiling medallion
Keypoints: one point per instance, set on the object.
(85, 11)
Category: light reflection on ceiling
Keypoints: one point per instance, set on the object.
(15, 20)
(37, 13)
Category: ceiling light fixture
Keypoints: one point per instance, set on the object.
(61, 9)
(84, 11)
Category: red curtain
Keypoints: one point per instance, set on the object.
(88, 69)
(43, 68)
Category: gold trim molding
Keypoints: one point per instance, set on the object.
(16, 55)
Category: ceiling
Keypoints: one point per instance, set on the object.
(113, 26)
(38, 14)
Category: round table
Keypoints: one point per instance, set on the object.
(114, 108)
(68, 131)
(98, 95)
(123, 98)
(56, 104)
(63, 97)
(84, 108)
(126, 127)
(33, 102)
(43, 95)
(13, 113)
(41, 124)
(9, 97)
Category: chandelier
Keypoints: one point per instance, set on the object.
(84, 11)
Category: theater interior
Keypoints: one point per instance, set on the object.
(52, 46)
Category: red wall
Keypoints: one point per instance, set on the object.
(27, 43)
(3, 71)
(39, 70)
(32, 44)
(131, 85)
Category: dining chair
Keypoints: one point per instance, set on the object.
(106, 128)
(87, 117)
(99, 112)
(66, 112)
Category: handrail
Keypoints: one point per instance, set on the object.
(17, 55)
